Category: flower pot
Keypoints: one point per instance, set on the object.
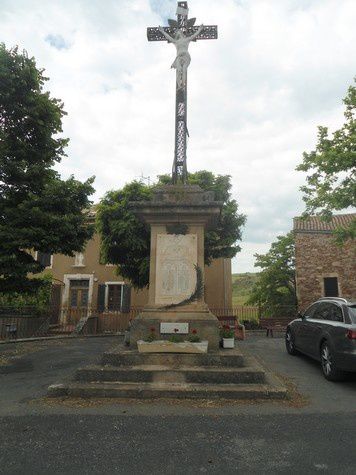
(228, 342)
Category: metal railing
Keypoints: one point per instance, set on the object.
(30, 322)
(240, 312)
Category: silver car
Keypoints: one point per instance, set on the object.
(326, 331)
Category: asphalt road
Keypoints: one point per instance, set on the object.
(37, 437)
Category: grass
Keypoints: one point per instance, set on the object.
(242, 286)
(239, 300)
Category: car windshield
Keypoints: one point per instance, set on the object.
(352, 313)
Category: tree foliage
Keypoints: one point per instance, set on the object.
(275, 290)
(125, 241)
(38, 300)
(38, 210)
(331, 182)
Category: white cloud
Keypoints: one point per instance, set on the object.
(256, 95)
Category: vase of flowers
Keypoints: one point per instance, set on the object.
(227, 335)
(194, 337)
(151, 336)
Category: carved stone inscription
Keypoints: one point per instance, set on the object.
(177, 255)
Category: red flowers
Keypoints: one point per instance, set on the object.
(152, 329)
(194, 331)
(226, 327)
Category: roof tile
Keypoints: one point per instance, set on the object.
(315, 223)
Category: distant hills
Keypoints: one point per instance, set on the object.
(241, 287)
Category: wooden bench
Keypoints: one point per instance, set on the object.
(231, 320)
(278, 324)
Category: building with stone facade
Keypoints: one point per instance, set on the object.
(323, 268)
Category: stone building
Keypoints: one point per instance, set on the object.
(323, 268)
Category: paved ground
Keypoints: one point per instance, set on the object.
(315, 433)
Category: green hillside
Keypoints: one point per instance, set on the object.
(241, 287)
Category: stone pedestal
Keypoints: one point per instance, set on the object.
(178, 216)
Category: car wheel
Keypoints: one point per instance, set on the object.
(330, 371)
(290, 343)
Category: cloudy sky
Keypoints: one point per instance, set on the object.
(256, 95)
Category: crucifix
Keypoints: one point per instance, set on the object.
(181, 32)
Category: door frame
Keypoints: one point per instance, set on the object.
(67, 278)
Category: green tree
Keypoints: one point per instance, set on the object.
(331, 183)
(38, 300)
(38, 210)
(275, 290)
(125, 241)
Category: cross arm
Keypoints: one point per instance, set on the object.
(209, 32)
(153, 34)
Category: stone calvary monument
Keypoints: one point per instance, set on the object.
(178, 215)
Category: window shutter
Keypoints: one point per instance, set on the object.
(44, 258)
(126, 299)
(101, 297)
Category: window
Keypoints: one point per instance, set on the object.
(79, 259)
(44, 258)
(309, 313)
(328, 311)
(321, 312)
(331, 288)
(352, 313)
(114, 296)
(335, 313)
(79, 283)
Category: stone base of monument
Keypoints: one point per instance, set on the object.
(128, 374)
(201, 320)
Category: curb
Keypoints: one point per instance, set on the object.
(57, 337)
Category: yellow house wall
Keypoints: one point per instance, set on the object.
(218, 286)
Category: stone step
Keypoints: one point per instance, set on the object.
(141, 390)
(165, 373)
(121, 357)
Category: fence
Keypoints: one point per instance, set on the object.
(241, 312)
(29, 322)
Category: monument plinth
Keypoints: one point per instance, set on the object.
(178, 216)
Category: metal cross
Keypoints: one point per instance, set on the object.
(185, 25)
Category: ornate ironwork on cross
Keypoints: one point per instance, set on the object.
(181, 32)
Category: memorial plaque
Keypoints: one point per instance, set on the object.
(175, 328)
(175, 267)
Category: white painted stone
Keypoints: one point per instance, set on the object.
(175, 328)
(177, 256)
(161, 346)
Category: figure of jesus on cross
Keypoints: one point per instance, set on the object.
(181, 33)
(182, 61)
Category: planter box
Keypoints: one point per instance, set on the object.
(163, 346)
(228, 342)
